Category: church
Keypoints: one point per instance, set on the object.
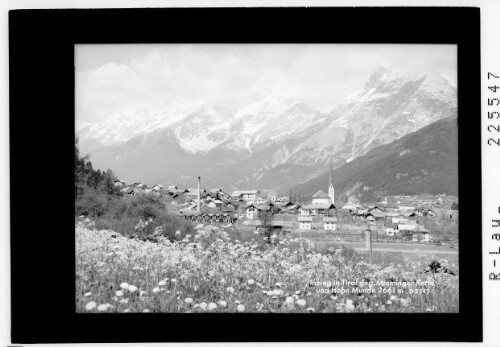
(323, 198)
(322, 203)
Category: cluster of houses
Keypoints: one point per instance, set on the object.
(138, 188)
(321, 214)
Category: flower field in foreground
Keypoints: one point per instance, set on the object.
(212, 274)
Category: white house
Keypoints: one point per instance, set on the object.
(305, 223)
(406, 209)
(391, 231)
(330, 223)
(316, 209)
(247, 195)
(119, 183)
(214, 203)
(421, 234)
(431, 212)
(400, 221)
(407, 227)
(252, 211)
(351, 207)
(157, 187)
(281, 199)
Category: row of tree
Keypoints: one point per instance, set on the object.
(86, 177)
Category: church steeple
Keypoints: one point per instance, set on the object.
(331, 190)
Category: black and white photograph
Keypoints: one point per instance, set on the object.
(266, 178)
(281, 173)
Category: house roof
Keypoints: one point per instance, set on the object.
(282, 223)
(349, 205)
(421, 229)
(318, 206)
(227, 208)
(305, 219)
(408, 214)
(375, 208)
(329, 219)
(409, 227)
(240, 192)
(192, 193)
(321, 194)
(393, 214)
(251, 205)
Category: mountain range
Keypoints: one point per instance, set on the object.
(425, 161)
(275, 143)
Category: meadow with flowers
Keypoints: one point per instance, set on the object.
(211, 271)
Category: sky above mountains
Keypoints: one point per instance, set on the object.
(111, 79)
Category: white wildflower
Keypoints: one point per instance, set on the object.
(102, 307)
(90, 306)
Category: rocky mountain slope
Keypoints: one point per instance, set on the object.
(425, 161)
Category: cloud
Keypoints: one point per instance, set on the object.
(114, 79)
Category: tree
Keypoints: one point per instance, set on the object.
(454, 206)
(87, 177)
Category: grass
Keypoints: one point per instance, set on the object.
(213, 272)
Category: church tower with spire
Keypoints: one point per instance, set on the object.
(331, 190)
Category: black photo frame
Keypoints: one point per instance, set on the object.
(42, 101)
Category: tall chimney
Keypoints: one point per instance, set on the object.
(199, 194)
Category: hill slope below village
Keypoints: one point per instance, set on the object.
(425, 161)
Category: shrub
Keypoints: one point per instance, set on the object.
(145, 206)
(171, 224)
(91, 203)
(117, 208)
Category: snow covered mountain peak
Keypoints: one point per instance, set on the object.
(275, 141)
(270, 107)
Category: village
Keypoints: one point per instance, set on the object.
(388, 221)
